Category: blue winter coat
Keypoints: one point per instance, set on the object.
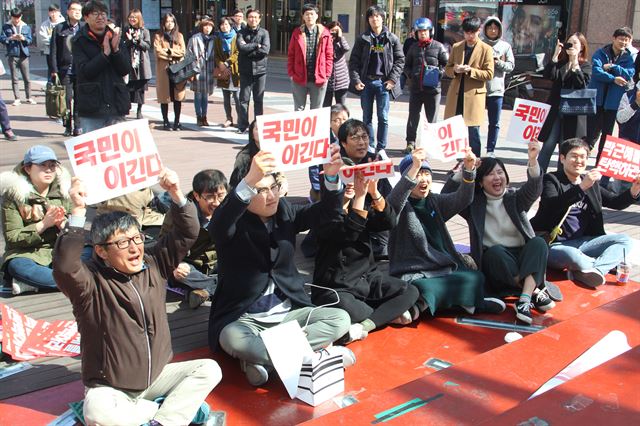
(16, 48)
(609, 93)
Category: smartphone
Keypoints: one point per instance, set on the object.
(568, 46)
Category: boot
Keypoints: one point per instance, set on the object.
(164, 108)
(204, 120)
(198, 120)
(139, 112)
(177, 107)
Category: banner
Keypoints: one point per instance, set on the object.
(445, 140)
(620, 159)
(115, 160)
(296, 139)
(527, 120)
(375, 170)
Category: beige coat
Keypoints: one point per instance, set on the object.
(163, 60)
(475, 91)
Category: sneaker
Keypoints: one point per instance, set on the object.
(256, 374)
(553, 291)
(77, 131)
(67, 132)
(242, 132)
(411, 146)
(348, 357)
(491, 154)
(590, 277)
(491, 305)
(202, 415)
(18, 287)
(17, 102)
(197, 297)
(542, 301)
(357, 332)
(227, 123)
(523, 311)
(404, 319)
(31, 101)
(9, 135)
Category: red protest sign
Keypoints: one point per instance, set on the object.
(620, 159)
(58, 338)
(375, 170)
(16, 329)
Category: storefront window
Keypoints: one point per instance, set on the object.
(401, 18)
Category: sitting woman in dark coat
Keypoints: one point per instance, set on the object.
(346, 264)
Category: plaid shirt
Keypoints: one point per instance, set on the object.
(312, 41)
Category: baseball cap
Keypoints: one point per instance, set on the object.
(407, 161)
(38, 154)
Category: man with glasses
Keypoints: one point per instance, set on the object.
(118, 300)
(259, 285)
(199, 269)
(100, 62)
(237, 19)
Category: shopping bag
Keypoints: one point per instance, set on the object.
(55, 94)
(321, 377)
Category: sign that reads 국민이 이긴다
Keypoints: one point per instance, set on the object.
(445, 140)
(527, 120)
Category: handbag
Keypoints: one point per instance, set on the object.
(578, 101)
(183, 70)
(55, 99)
(431, 76)
(321, 378)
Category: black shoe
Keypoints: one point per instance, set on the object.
(166, 126)
(77, 132)
(67, 132)
(491, 305)
(541, 300)
(139, 115)
(523, 311)
(553, 291)
(177, 127)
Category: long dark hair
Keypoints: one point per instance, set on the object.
(583, 55)
(163, 22)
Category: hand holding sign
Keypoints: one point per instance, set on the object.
(333, 167)
(77, 194)
(262, 164)
(635, 187)
(469, 160)
(591, 178)
(533, 150)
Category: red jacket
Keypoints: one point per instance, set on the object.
(297, 63)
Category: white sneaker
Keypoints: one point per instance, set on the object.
(403, 319)
(357, 332)
(18, 287)
(590, 277)
(348, 357)
(17, 102)
(31, 101)
(257, 375)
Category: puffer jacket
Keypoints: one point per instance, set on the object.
(100, 88)
(122, 318)
(503, 60)
(297, 56)
(16, 48)
(23, 208)
(609, 93)
(432, 54)
(252, 60)
(340, 76)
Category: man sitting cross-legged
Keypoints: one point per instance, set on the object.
(118, 300)
(259, 285)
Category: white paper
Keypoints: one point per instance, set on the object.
(444, 140)
(610, 346)
(527, 120)
(287, 346)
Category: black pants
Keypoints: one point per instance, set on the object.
(600, 125)
(339, 95)
(226, 95)
(69, 82)
(251, 84)
(501, 264)
(418, 99)
(389, 298)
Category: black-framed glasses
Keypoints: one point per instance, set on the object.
(360, 137)
(210, 198)
(96, 14)
(124, 243)
(275, 189)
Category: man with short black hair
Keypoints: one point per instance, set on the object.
(16, 36)
(612, 70)
(118, 300)
(572, 200)
(237, 18)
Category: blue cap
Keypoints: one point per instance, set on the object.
(407, 161)
(38, 154)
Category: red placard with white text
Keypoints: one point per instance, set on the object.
(296, 139)
(620, 159)
(16, 329)
(445, 140)
(375, 170)
(527, 120)
(115, 160)
(57, 338)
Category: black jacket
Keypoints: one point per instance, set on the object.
(100, 90)
(61, 56)
(393, 60)
(252, 60)
(249, 256)
(558, 194)
(434, 54)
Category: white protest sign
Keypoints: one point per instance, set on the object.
(115, 160)
(527, 120)
(375, 170)
(445, 140)
(296, 139)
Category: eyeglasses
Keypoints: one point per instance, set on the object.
(98, 14)
(48, 165)
(210, 198)
(274, 189)
(124, 243)
(359, 137)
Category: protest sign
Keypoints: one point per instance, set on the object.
(16, 329)
(375, 170)
(445, 140)
(115, 160)
(620, 159)
(296, 139)
(527, 120)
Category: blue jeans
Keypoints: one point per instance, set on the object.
(494, 108)
(30, 272)
(89, 124)
(602, 253)
(375, 90)
(549, 146)
(474, 139)
(201, 101)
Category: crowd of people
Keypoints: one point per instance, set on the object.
(233, 241)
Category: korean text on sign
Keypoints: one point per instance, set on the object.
(445, 140)
(115, 160)
(375, 170)
(527, 120)
(620, 159)
(296, 139)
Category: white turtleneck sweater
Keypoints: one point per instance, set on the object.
(498, 226)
